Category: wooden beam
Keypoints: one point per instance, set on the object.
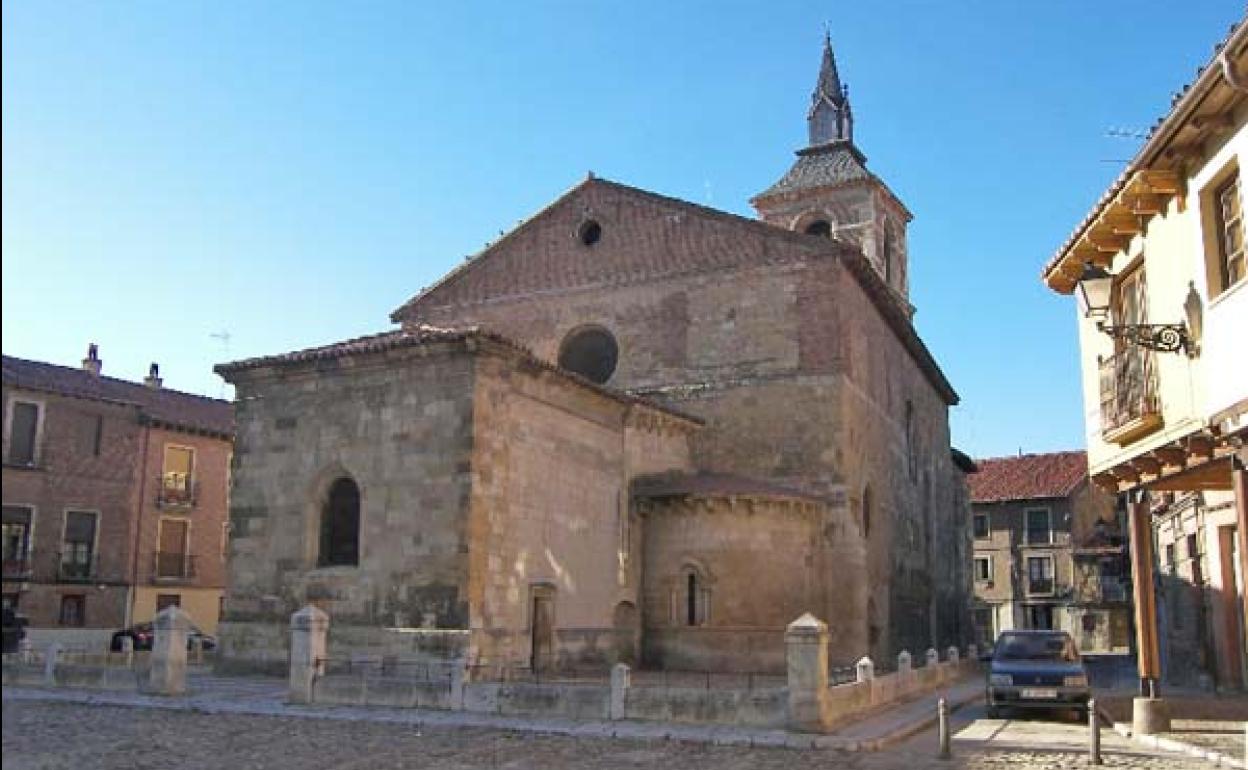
(1218, 121)
(1106, 482)
(1122, 222)
(1146, 464)
(1109, 243)
(1145, 204)
(1170, 455)
(1125, 473)
(1159, 181)
(1200, 445)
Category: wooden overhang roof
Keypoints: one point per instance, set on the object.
(1202, 110)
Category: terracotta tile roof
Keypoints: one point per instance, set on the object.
(712, 485)
(1027, 477)
(513, 267)
(170, 407)
(414, 336)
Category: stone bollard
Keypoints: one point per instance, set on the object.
(168, 674)
(1094, 734)
(866, 669)
(942, 716)
(26, 650)
(951, 655)
(972, 653)
(806, 658)
(905, 671)
(1150, 716)
(127, 650)
(621, 680)
(459, 675)
(931, 657)
(309, 628)
(50, 659)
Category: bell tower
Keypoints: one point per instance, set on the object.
(828, 192)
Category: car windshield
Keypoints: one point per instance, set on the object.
(1058, 647)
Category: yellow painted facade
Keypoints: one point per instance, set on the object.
(202, 604)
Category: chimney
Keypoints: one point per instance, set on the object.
(92, 362)
(153, 377)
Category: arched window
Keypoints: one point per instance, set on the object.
(340, 525)
(590, 352)
(819, 227)
(866, 512)
(691, 599)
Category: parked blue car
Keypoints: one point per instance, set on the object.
(1036, 670)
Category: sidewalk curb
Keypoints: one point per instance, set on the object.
(1216, 758)
(914, 728)
(722, 735)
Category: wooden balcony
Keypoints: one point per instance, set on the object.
(1130, 407)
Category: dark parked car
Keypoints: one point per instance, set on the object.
(143, 635)
(13, 627)
(1036, 670)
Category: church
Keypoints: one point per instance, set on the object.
(632, 429)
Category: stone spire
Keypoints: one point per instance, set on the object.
(830, 118)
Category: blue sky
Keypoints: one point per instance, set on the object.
(292, 172)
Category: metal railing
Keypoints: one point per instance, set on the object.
(76, 567)
(17, 567)
(1040, 586)
(1113, 589)
(1128, 388)
(172, 566)
(176, 491)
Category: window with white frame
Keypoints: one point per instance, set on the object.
(983, 569)
(19, 521)
(23, 438)
(1040, 575)
(1039, 526)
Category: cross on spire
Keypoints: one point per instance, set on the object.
(830, 118)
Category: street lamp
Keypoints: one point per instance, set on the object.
(1095, 289)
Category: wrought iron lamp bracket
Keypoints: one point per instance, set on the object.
(1164, 338)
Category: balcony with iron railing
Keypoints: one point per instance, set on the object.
(17, 566)
(76, 567)
(1129, 404)
(1037, 586)
(176, 491)
(172, 567)
(1113, 589)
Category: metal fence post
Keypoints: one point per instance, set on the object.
(1094, 734)
(942, 711)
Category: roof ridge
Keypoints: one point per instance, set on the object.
(118, 380)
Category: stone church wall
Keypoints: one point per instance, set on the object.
(401, 427)
(756, 562)
(550, 513)
(919, 515)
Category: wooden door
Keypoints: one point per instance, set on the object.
(543, 629)
(171, 553)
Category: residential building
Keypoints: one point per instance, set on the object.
(632, 424)
(1158, 266)
(115, 500)
(1049, 552)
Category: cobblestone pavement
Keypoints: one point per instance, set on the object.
(53, 735)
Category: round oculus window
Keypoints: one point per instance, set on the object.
(590, 352)
(590, 232)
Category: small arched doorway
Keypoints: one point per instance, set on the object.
(625, 622)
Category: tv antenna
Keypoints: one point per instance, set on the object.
(1126, 132)
(224, 338)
